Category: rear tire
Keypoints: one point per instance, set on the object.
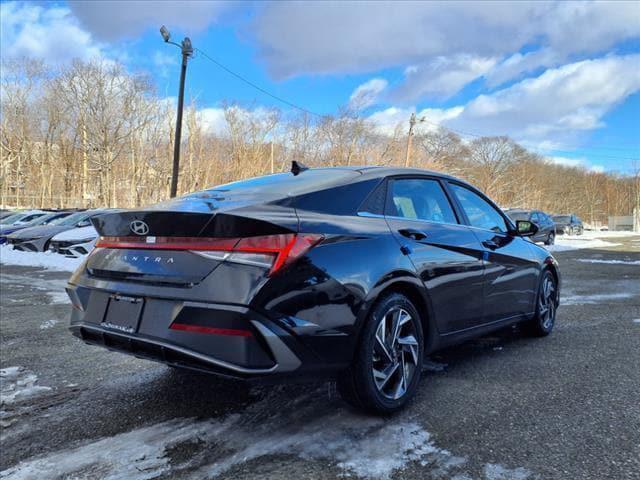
(387, 365)
(544, 319)
(551, 239)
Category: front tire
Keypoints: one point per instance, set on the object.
(386, 369)
(544, 319)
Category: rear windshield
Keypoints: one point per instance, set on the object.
(283, 183)
(562, 218)
(518, 215)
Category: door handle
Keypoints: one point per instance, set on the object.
(412, 233)
(490, 244)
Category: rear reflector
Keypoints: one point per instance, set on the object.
(185, 327)
(273, 251)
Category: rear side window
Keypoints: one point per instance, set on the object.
(480, 213)
(420, 199)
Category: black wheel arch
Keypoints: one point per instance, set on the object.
(409, 285)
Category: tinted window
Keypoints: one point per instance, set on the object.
(285, 183)
(480, 213)
(535, 218)
(420, 199)
(518, 215)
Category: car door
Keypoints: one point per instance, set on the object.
(446, 254)
(511, 271)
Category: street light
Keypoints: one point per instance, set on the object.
(187, 51)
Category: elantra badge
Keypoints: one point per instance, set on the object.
(139, 227)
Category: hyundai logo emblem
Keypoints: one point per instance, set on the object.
(139, 227)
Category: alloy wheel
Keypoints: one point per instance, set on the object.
(395, 353)
(547, 303)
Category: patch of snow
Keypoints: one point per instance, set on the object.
(612, 262)
(577, 243)
(18, 384)
(49, 260)
(359, 445)
(48, 324)
(59, 297)
(135, 455)
(604, 234)
(592, 299)
(498, 472)
(55, 289)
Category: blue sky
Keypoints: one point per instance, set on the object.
(563, 78)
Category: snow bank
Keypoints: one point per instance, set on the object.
(610, 262)
(49, 260)
(577, 243)
(592, 299)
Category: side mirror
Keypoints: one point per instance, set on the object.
(526, 228)
(84, 223)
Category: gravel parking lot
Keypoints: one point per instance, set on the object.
(505, 407)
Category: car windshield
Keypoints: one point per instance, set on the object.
(518, 215)
(562, 218)
(43, 219)
(33, 219)
(73, 219)
(12, 218)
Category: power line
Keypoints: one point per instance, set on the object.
(257, 87)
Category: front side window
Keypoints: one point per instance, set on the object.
(420, 199)
(480, 213)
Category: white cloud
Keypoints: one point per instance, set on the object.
(387, 121)
(581, 162)
(51, 34)
(556, 106)
(441, 77)
(367, 94)
(213, 121)
(329, 38)
(111, 19)
(325, 37)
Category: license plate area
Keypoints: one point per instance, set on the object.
(123, 313)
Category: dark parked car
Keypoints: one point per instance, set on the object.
(546, 227)
(568, 224)
(37, 238)
(353, 273)
(29, 221)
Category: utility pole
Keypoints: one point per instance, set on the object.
(412, 123)
(187, 51)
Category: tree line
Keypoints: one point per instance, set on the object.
(92, 134)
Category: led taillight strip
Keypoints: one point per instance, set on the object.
(234, 332)
(286, 247)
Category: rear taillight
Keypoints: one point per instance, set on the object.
(269, 251)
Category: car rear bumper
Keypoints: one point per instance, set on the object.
(226, 340)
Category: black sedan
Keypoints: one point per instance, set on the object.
(349, 273)
(546, 227)
(568, 224)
